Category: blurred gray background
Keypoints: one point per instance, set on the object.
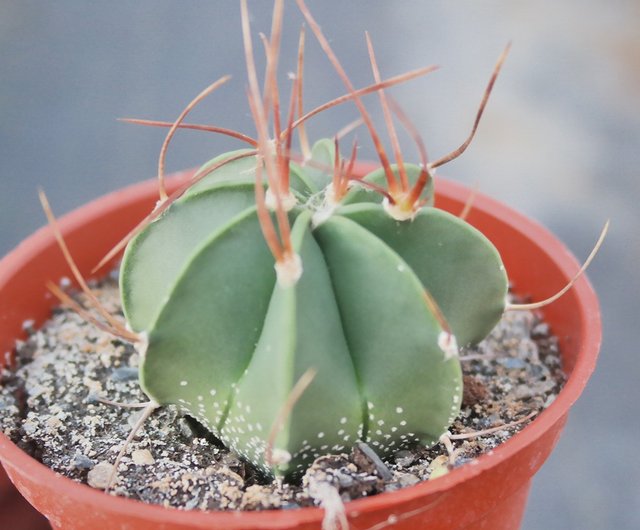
(560, 141)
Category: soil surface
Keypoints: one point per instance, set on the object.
(50, 406)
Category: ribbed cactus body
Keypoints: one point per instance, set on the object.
(227, 342)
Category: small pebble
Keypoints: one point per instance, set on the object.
(404, 458)
(29, 427)
(540, 330)
(407, 479)
(367, 460)
(99, 476)
(92, 398)
(81, 461)
(191, 504)
(133, 418)
(512, 363)
(142, 457)
(185, 429)
(438, 467)
(124, 373)
(6, 402)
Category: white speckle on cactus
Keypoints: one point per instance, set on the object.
(369, 405)
(183, 383)
(399, 410)
(401, 268)
(320, 435)
(403, 423)
(380, 422)
(212, 392)
(343, 420)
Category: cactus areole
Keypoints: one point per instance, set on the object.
(227, 339)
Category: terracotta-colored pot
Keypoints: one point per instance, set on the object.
(15, 512)
(489, 494)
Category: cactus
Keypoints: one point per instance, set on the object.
(227, 339)
(368, 285)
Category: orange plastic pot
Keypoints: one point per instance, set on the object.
(15, 512)
(488, 494)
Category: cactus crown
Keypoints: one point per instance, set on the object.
(267, 268)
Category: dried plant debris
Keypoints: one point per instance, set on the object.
(50, 407)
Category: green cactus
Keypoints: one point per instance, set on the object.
(364, 282)
(227, 341)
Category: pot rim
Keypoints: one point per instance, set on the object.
(590, 339)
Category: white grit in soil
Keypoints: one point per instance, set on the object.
(48, 407)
